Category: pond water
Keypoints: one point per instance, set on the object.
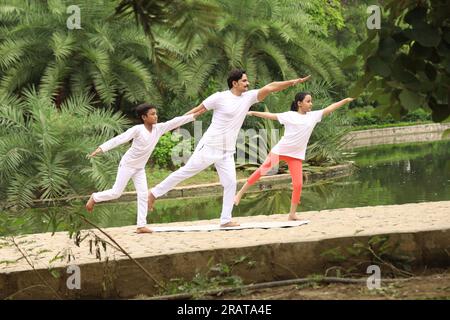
(389, 174)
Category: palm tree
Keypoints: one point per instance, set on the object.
(187, 18)
(107, 58)
(270, 39)
(273, 40)
(43, 149)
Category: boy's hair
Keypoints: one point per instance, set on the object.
(142, 109)
(234, 75)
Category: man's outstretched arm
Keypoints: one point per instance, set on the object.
(278, 86)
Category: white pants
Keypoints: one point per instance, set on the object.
(124, 174)
(202, 158)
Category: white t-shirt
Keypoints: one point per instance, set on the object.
(229, 114)
(298, 129)
(144, 141)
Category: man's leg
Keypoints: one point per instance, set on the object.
(140, 183)
(199, 161)
(123, 176)
(227, 174)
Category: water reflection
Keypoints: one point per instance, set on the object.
(386, 175)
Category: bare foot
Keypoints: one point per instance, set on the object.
(90, 204)
(144, 230)
(237, 199)
(230, 224)
(151, 201)
(293, 217)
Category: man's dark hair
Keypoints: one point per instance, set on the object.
(234, 75)
(142, 109)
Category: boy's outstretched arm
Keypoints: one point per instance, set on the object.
(114, 142)
(197, 110)
(278, 86)
(96, 152)
(177, 122)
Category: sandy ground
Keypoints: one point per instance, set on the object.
(42, 248)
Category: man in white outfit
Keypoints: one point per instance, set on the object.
(132, 166)
(218, 144)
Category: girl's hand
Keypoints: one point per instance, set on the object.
(250, 113)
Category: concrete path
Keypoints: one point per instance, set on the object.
(346, 223)
(322, 224)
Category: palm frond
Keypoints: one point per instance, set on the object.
(52, 175)
(63, 45)
(234, 48)
(52, 78)
(20, 191)
(11, 51)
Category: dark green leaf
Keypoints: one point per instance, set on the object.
(425, 34)
(410, 100)
(349, 61)
(416, 15)
(430, 71)
(378, 66)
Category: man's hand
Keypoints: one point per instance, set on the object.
(278, 86)
(97, 151)
(301, 80)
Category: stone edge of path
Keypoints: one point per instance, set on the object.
(273, 261)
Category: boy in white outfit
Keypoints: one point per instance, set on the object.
(218, 144)
(132, 165)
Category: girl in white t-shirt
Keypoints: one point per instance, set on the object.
(299, 124)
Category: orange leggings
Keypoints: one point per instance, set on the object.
(295, 169)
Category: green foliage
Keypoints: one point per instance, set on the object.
(327, 14)
(270, 39)
(406, 61)
(185, 17)
(167, 147)
(43, 149)
(378, 250)
(105, 57)
(218, 276)
(184, 48)
(368, 116)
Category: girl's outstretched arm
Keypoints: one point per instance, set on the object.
(265, 115)
(336, 105)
